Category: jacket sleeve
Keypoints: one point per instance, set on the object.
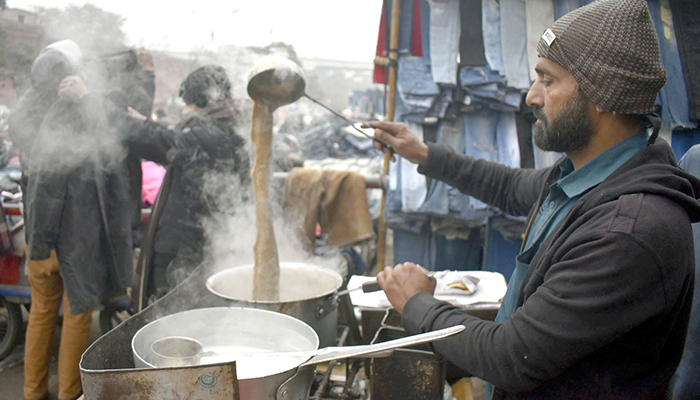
(514, 191)
(147, 81)
(597, 292)
(157, 143)
(147, 139)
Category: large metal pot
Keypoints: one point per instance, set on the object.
(307, 292)
(251, 337)
(223, 331)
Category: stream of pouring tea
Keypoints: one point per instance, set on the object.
(266, 277)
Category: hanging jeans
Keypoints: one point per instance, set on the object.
(539, 17)
(415, 86)
(405, 24)
(486, 86)
(436, 252)
(514, 41)
(473, 134)
(451, 133)
(673, 97)
(444, 40)
(491, 25)
(413, 186)
(507, 142)
(393, 216)
(480, 133)
(47, 296)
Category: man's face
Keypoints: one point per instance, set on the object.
(564, 121)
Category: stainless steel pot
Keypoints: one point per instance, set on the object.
(224, 331)
(251, 337)
(307, 292)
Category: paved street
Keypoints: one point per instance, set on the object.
(12, 367)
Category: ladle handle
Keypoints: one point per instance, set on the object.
(337, 353)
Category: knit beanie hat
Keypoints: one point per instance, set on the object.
(611, 48)
(208, 84)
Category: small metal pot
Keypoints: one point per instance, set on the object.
(176, 351)
(307, 292)
(223, 331)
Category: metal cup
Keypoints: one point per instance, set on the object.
(176, 351)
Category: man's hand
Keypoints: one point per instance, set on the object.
(135, 114)
(145, 59)
(401, 140)
(403, 282)
(73, 88)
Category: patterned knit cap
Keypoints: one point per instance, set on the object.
(611, 48)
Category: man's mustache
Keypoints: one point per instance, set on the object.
(539, 114)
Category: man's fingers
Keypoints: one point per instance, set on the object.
(386, 137)
(422, 269)
(388, 152)
(391, 128)
(384, 275)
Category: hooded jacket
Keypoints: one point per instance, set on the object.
(205, 156)
(603, 309)
(78, 202)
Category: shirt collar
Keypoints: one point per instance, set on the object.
(575, 182)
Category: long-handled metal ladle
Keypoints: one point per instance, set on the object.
(348, 120)
(310, 357)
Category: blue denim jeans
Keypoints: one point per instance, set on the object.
(673, 97)
(425, 27)
(393, 216)
(437, 202)
(474, 134)
(435, 252)
(514, 41)
(540, 16)
(491, 26)
(415, 85)
(480, 132)
(507, 143)
(444, 40)
(405, 25)
(469, 76)
(486, 86)
(413, 184)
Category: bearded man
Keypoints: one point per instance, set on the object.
(599, 301)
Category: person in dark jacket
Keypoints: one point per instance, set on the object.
(132, 86)
(54, 63)
(599, 301)
(685, 384)
(201, 154)
(78, 232)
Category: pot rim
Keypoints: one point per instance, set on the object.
(246, 309)
(293, 264)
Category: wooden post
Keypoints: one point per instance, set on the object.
(391, 102)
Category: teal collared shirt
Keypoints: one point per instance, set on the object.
(563, 194)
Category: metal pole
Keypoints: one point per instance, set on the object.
(391, 101)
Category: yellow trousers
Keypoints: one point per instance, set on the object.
(47, 296)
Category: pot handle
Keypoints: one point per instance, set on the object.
(287, 389)
(327, 306)
(369, 350)
(297, 385)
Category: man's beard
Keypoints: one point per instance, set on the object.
(569, 131)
